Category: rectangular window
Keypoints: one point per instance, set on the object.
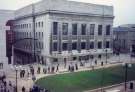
(91, 45)
(65, 28)
(42, 34)
(107, 44)
(42, 24)
(39, 24)
(39, 35)
(83, 45)
(99, 29)
(108, 27)
(92, 28)
(29, 25)
(36, 24)
(74, 45)
(83, 29)
(55, 28)
(55, 45)
(64, 46)
(74, 29)
(100, 45)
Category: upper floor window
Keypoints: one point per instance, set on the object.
(29, 25)
(107, 44)
(74, 45)
(42, 34)
(108, 27)
(36, 25)
(100, 29)
(74, 29)
(83, 29)
(64, 46)
(92, 28)
(55, 28)
(65, 28)
(42, 24)
(83, 45)
(99, 45)
(39, 24)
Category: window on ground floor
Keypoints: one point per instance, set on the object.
(99, 45)
(64, 46)
(91, 45)
(1, 65)
(107, 44)
(83, 45)
(74, 45)
(55, 45)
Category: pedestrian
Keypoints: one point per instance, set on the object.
(57, 68)
(38, 71)
(95, 62)
(28, 74)
(44, 70)
(102, 63)
(33, 77)
(65, 63)
(23, 89)
(33, 71)
(69, 68)
(23, 73)
(30, 90)
(48, 69)
(5, 89)
(10, 84)
(52, 70)
(14, 89)
(76, 66)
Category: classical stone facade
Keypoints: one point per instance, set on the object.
(62, 31)
(124, 41)
(5, 15)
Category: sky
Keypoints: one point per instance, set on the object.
(124, 10)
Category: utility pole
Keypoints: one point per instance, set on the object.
(34, 31)
(102, 79)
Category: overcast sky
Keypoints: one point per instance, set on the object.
(124, 10)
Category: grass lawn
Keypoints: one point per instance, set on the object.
(86, 80)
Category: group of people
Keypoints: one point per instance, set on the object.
(22, 73)
(51, 69)
(6, 86)
(36, 88)
(72, 67)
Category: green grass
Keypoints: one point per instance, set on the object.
(85, 80)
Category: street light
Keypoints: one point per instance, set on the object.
(126, 66)
(16, 68)
(106, 55)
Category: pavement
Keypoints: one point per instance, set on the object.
(27, 81)
(115, 88)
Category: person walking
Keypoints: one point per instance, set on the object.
(76, 66)
(23, 89)
(57, 68)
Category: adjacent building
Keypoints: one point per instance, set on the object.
(124, 38)
(5, 15)
(61, 30)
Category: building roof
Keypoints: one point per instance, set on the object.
(124, 29)
(64, 6)
(128, 25)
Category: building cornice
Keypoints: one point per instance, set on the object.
(64, 12)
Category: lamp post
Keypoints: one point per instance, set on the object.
(126, 66)
(106, 55)
(16, 68)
